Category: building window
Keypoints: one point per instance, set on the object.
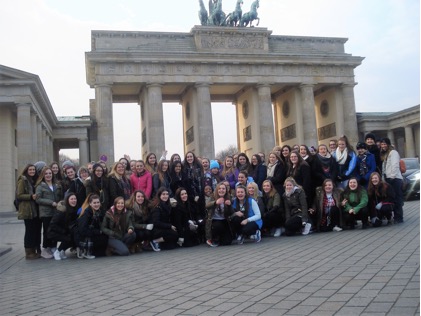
(285, 109)
(324, 108)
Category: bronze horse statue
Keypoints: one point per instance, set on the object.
(234, 17)
(250, 16)
(203, 14)
(216, 15)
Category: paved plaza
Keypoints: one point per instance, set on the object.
(361, 272)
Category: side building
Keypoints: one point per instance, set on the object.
(30, 131)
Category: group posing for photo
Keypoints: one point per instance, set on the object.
(154, 204)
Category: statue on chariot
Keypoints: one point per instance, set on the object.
(217, 17)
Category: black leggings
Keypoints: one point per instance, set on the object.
(221, 232)
(32, 238)
(293, 225)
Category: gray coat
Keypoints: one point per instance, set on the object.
(46, 197)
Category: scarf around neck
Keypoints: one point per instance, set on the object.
(341, 156)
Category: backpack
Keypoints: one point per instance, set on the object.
(402, 166)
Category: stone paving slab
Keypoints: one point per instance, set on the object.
(360, 272)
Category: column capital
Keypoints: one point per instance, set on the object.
(154, 84)
(81, 139)
(264, 85)
(23, 105)
(202, 84)
(306, 85)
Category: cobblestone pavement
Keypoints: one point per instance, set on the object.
(361, 272)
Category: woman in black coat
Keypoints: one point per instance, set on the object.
(258, 170)
(63, 225)
(163, 231)
(276, 172)
(92, 242)
(301, 172)
(186, 220)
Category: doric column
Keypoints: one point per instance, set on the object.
(34, 132)
(409, 142)
(155, 118)
(83, 151)
(103, 95)
(267, 134)
(204, 122)
(350, 115)
(56, 152)
(40, 148)
(391, 136)
(44, 146)
(309, 115)
(24, 137)
(49, 148)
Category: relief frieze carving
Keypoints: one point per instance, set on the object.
(226, 69)
(231, 42)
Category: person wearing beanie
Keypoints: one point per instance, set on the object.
(391, 173)
(39, 165)
(213, 177)
(366, 164)
(370, 140)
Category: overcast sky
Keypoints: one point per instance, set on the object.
(49, 38)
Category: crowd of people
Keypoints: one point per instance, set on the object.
(156, 204)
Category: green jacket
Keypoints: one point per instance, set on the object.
(117, 230)
(355, 201)
(27, 206)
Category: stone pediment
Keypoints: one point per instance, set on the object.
(11, 74)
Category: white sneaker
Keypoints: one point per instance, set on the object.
(306, 229)
(52, 250)
(337, 229)
(57, 255)
(79, 252)
(63, 254)
(278, 232)
(46, 254)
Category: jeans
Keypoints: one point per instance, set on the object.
(120, 246)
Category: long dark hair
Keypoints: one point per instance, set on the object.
(157, 199)
(24, 172)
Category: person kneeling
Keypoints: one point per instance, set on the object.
(117, 224)
(246, 220)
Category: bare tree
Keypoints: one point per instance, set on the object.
(229, 151)
(62, 158)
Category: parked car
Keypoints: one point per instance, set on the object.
(411, 178)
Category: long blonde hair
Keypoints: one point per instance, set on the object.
(87, 202)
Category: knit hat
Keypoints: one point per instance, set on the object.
(361, 145)
(370, 135)
(39, 165)
(67, 163)
(386, 140)
(214, 164)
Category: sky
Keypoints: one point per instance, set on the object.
(49, 38)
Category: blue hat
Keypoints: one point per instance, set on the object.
(214, 164)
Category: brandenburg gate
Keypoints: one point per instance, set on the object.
(286, 89)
